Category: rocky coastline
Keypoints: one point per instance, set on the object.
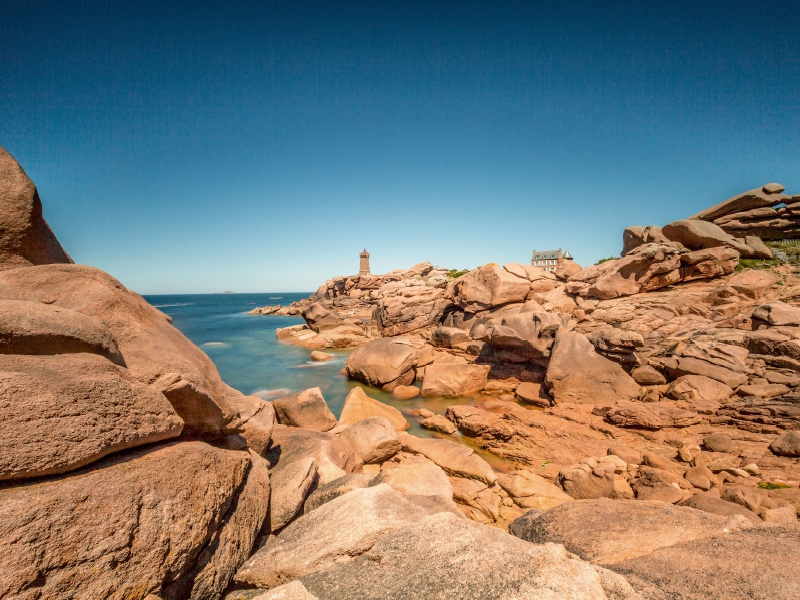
(648, 408)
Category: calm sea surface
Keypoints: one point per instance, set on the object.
(251, 359)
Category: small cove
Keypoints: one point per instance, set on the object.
(251, 359)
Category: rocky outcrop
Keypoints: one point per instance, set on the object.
(384, 363)
(409, 310)
(25, 237)
(699, 235)
(651, 267)
(454, 380)
(373, 439)
(334, 457)
(319, 319)
(65, 411)
(529, 334)
(358, 406)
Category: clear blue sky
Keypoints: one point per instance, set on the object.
(259, 146)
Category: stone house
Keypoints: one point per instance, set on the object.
(546, 259)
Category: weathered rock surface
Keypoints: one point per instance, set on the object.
(651, 415)
(691, 387)
(609, 531)
(577, 374)
(529, 490)
(529, 334)
(124, 529)
(778, 313)
(344, 527)
(333, 456)
(711, 504)
(358, 406)
(373, 439)
(427, 560)
(489, 286)
(290, 486)
(786, 444)
(700, 235)
(337, 487)
(65, 411)
(418, 478)
(256, 421)
(25, 237)
(454, 380)
(36, 328)
(456, 459)
(318, 318)
(758, 563)
(384, 363)
(305, 409)
(154, 351)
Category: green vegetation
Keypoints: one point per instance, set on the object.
(768, 485)
(602, 260)
(455, 273)
(756, 263)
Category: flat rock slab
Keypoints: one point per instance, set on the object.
(456, 459)
(608, 531)
(119, 530)
(344, 527)
(651, 415)
(36, 328)
(65, 411)
(447, 557)
(759, 564)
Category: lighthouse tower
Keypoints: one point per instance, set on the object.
(363, 267)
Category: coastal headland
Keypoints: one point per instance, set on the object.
(648, 408)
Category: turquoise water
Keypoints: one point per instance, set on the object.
(251, 359)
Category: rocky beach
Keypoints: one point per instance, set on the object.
(626, 430)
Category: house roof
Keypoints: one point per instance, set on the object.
(544, 255)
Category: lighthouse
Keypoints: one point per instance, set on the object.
(363, 267)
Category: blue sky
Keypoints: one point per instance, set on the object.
(259, 146)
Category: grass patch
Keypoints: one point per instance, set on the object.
(602, 260)
(768, 485)
(757, 263)
(455, 273)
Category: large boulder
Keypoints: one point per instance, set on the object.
(753, 283)
(334, 457)
(420, 477)
(305, 409)
(717, 506)
(651, 415)
(131, 525)
(25, 237)
(290, 486)
(65, 411)
(358, 406)
(443, 556)
(455, 459)
(758, 563)
(454, 380)
(489, 286)
(578, 375)
(373, 439)
(582, 481)
(256, 421)
(384, 363)
(777, 313)
(607, 531)
(697, 387)
(786, 444)
(155, 352)
(699, 235)
(338, 487)
(344, 527)
(36, 328)
(231, 544)
(447, 337)
(529, 334)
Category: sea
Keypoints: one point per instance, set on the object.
(251, 359)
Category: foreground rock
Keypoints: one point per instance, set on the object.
(358, 406)
(25, 237)
(71, 538)
(154, 351)
(758, 563)
(577, 374)
(334, 457)
(609, 531)
(456, 459)
(344, 527)
(427, 560)
(65, 411)
(384, 363)
(454, 380)
(373, 439)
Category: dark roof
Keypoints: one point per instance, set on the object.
(544, 255)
